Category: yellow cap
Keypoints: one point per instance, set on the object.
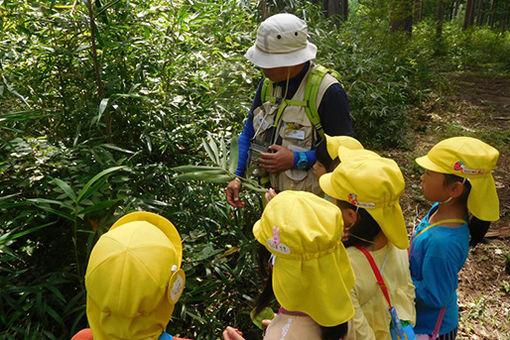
(133, 278)
(374, 183)
(473, 159)
(334, 142)
(312, 273)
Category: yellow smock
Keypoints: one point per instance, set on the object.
(371, 317)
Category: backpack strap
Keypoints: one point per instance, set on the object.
(378, 276)
(452, 220)
(312, 87)
(439, 321)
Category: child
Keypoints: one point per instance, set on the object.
(311, 274)
(367, 188)
(326, 154)
(458, 178)
(133, 279)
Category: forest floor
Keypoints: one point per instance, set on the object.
(478, 106)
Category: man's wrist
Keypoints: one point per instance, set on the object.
(301, 160)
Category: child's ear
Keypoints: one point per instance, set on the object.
(456, 189)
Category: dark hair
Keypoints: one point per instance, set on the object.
(322, 155)
(267, 296)
(366, 228)
(477, 227)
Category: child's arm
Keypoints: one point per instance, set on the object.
(359, 322)
(439, 279)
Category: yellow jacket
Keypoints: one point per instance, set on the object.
(372, 318)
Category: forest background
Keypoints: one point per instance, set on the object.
(99, 101)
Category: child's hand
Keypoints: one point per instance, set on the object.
(231, 333)
(270, 193)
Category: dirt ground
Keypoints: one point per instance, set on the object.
(479, 106)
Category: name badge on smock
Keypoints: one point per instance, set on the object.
(260, 121)
(296, 134)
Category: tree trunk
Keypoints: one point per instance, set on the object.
(418, 10)
(468, 17)
(506, 18)
(345, 9)
(401, 18)
(440, 18)
(492, 13)
(479, 12)
(332, 8)
(456, 9)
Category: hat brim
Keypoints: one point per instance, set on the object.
(271, 60)
(427, 164)
(326, 185)
(483, 201)
(390, 219)
(319, 287)
(160, 222)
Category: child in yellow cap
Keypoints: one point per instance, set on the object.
(311, 275)
(133, 279)
(458, 178)
(367, 188)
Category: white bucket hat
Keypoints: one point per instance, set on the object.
(281, 41)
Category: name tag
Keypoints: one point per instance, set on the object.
(259, 120)
(296, 134)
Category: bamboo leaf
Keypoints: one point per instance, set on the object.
(97, 207)
(102, 108)
(66, 188)
(224, 155)
(234, 155)
(198, 168)
(97, 177)
(210, 152)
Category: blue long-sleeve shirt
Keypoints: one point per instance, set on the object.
(333, 112)
(437, 256)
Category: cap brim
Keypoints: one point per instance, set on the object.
(160, 222)
(326, 185)
(270, 60)
(319, 287)
(483, 201)
(427, 164)
(391, 221)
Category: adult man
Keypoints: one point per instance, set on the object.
(278, 122)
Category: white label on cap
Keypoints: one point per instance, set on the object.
(177, 288)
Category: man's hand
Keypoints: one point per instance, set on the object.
(278, 160)
(231, 333)
(233, 190)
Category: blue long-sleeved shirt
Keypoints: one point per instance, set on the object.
(333, 112)
(437, 256)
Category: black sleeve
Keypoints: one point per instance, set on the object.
(334, 112)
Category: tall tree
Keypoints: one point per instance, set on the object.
(418, 10)
(469, 15)
(440, 18)
(401, 17)
(336, 8)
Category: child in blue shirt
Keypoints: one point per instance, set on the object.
(458, 178)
